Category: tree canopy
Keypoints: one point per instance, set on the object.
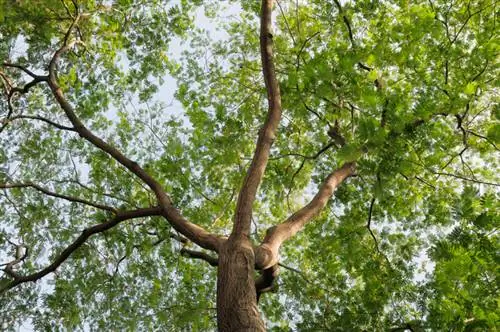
(117, 197)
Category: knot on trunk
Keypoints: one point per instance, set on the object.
(265, 257)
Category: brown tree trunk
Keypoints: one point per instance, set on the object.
(236, 295)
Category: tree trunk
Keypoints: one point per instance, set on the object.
(236, 295)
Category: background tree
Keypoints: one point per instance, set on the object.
(110, 197)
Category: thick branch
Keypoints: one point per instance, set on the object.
(54, 194)
(88, 232)
(193, 232)
(267, 133)
(267, 253)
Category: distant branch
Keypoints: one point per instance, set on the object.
(368, 224)
(461, 177)
(10, 90)
(313, 157)
(484, 138)
(57, 195)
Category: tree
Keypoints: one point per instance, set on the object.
(112, 203)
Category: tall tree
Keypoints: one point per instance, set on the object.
(111, 198)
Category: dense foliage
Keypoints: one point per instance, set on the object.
(406, 89)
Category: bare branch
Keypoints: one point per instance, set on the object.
(24, 69)
(267, 133)
(461, 177)
(40, 118)
(88, 232)
(57, 195)
(266, 254)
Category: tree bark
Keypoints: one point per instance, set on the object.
(236, 295)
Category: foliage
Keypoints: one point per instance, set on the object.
(410, 86)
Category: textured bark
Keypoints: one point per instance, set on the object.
(267, 252)
(267, 133)
(236, 294)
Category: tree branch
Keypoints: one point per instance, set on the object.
(24, 69)
(54, 194)
(461, 177)
(193, 232)
(346, 22)
(485, 138)
(10, 90)
(266, 254)
(86, 233)
(213, 261)
(40, 118)
(267, 133)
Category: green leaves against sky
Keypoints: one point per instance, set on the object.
(412, 86)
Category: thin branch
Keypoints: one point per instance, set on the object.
(302, 47)
(286, 22)
(346, 22)
(26, 88)
(314, 157)
(368, 226)
(485, 138)
(461, 177)
(213, 261)
(310, 110)
(40, 118)
(93, 191)
(267, 133)
(11, 90)
(86, 233)
(289, 268)
(24, 69)
(57, 195)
